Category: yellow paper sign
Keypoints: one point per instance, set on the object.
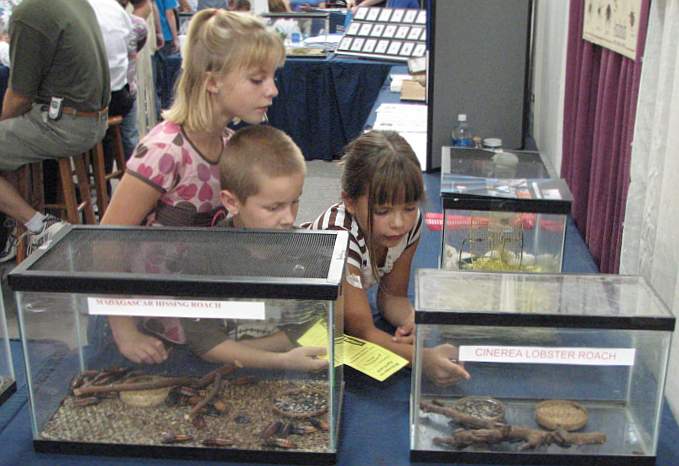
(317, 335)
(364, 356)
(371, 359)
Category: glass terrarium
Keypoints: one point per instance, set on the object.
(245, 320)
(304, 34)
(564, 368)
(503, 211)
(7, 377)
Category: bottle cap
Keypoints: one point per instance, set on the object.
(462, 117)
(492, 143)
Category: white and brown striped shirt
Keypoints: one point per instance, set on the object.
(337, 218)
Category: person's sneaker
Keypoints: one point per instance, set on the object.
(9, 251)
(42, 239)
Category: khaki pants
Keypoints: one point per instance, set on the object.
(33, 137)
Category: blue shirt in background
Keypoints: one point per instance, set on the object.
(297, 5)
(164, 5)
(403, 4)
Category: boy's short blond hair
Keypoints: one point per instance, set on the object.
(219, 41)
(256, 151)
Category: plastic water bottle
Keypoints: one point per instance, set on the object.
(462, 134)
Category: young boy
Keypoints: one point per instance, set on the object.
(262, 175)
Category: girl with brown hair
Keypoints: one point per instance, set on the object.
(382, 187)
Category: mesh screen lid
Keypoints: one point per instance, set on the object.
(108, 258)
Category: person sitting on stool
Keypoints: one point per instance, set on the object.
(56, 104)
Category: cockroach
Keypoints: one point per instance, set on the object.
(217, 442)
(280, 443)
(271, 430)
(171, 437)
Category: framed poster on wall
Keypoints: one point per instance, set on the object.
(613, 24)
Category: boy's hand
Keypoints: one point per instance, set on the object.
(440, 365)
(140, 348)
(405, 333)
(305, 358)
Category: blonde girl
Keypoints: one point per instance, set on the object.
(228, 66)
(382, 187)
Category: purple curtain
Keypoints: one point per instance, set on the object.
(600, 107)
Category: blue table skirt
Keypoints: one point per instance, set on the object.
(322, 103)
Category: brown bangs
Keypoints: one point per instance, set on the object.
(396, 181)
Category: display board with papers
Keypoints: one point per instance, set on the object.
(408, 120)
(392, 33)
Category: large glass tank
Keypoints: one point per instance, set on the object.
(7, 377)
(305, 34)
(564, 368)
(503, 211)
(246, 320)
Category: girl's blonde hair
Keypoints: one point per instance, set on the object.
(382, 166)
(218, 41)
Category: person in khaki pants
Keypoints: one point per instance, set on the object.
(56, 104)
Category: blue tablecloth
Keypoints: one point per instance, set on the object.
(322, 103)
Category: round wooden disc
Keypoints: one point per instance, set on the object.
(561, 414)
(145, 398)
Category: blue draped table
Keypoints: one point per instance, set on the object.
(322, 103)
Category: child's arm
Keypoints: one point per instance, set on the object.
(132, 201)
(392, 297)
(134, 345)
(358, 319)
(301, 358)
(438, 362)
(278, 341)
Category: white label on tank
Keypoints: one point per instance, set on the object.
(197, 309)
(547, 355)
(551, 193)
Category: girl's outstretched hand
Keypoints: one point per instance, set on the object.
(405, 333)
(440, 365)
(305, 358)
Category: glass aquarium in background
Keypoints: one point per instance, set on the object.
(7, 376)
(304, 34)
(564, 368)
(274, 293)
(502, 211)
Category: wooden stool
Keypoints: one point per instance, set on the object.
(30, 184)
(70, 204)
(101, 178)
